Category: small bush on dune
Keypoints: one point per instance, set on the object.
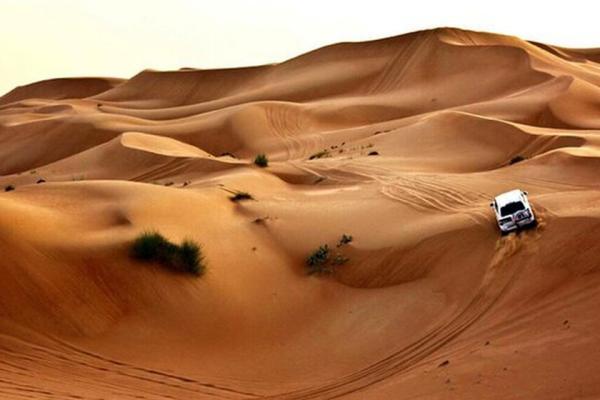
(345, 239)
(321, 261)
(239, 196)
(153, 247)
(190, 258)
(321, 154)
(9, 188)
(148, 246)
(318, 261)
(261, 160)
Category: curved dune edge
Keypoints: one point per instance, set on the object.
(64, 88)
(160, 145)
(400, 143)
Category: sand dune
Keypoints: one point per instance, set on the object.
(399, 142)
(57, 89)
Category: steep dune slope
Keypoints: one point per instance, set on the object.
(65, 88)
(400, 143)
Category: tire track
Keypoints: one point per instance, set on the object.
(499, 276)
(88, 368)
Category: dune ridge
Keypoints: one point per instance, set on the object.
(399, 142)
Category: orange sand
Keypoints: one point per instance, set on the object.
(429, 278)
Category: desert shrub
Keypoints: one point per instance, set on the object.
(41, 181)
(239, 196)
(190, 258)
(149, 246)
(9, 188)
(261, 160)
(317, 262)
(323, 261)
(321, 154)
(261, 220)
(153, 247)
(373, 153)
(516, 159)
(345, 239)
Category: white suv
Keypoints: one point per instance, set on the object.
(513, 211)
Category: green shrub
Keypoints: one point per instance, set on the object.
(322, 261)
(148, 245)
(261, 160)
(239, 196)
(153, 247)
(321, 154)
(345, 239)
(191, 258)
(318, 261)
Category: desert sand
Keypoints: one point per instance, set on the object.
(432, 304)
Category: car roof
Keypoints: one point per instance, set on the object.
(508, 197)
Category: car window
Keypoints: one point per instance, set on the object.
(511, 208)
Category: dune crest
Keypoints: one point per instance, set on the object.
(388, 152)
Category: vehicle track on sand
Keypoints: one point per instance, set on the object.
(422, 191)
(286, 124)
(394, 72)
(25, 362)
(432, 193)
(499, 276)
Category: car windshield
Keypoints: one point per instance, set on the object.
(511, 208)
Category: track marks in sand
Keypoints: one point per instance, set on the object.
(396, 68)
(285, 122)
(37, 371)
(423, 192)
(433, 193)
(500, 273)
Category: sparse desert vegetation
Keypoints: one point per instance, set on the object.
(345, 239)
(318, 261)
(350, 276)
(323, 261)
(239, 196)
(321, 154)
(153, 247)
(9, 188)
(261, 160)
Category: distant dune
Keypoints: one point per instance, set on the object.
(400, 142)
